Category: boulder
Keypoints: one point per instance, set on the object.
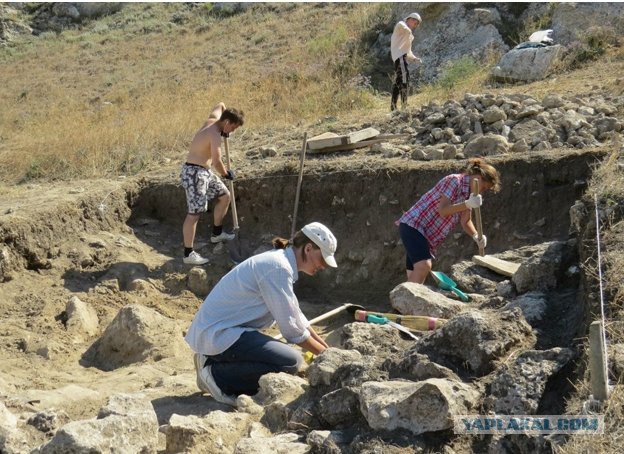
(476, 340)
(520, 147)
(138, 334)
(415, 366)
(280, 387)
(416, 299)
(370, 338)
(533, 306)
(340, 407)
(532, 132)
(545, 267)
(283, 443)
(82, 319)
(527, 65)
(552, 101)
(131, 418)
(487, 145)
(426, 406)
(570, 21)
(325, 366)
(518, 387)
(215, 433)
(494, 114)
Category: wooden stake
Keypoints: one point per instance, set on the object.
(301, 161)
(597, 361)
(475, 191)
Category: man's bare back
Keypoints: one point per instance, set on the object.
(206, 145)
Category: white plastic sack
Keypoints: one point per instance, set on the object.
(541, 36)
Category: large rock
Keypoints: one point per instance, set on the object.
(487, 145)
(533, 306)
(518, 387)
(325, 366)
(410, 298)
(82, 319)
(545, 268)
(286, 443)
(571, 21)
(532, 132)
(527, 65)
(340, 407)
(127, 424)
(371, 339)
(426, 406)
(138, 334)
(12, 440)
(476, 340)
(215, 433)
(415, 366)
(280, 387)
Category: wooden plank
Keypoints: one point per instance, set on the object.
(500, 266)
(352, 146)
(327, 139)
(362, 134)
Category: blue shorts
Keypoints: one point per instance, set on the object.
(416, 246)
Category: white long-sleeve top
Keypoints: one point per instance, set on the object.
(401, 42)
(250, 297)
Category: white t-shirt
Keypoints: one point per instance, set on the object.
(401, 42)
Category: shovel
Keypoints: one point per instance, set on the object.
(384, 321)
(234, 246)
(351, 308)
(413, 322)
(446, 283)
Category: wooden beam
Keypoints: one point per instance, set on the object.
(500, 266)
(348, 147)
(363, 134)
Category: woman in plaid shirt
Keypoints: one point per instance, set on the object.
(426, 224)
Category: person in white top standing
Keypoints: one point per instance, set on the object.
(401, 51)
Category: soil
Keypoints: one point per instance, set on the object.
(60, 240)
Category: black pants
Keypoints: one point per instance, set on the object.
(401, 82)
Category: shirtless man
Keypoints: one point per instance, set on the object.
(201, 184)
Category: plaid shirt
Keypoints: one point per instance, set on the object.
(424, 216)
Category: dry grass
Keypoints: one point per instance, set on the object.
(121, 95)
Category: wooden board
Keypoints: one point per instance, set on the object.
(327, 139)
(362, 134)
(330, 139)
(499, 266)
(348, 147)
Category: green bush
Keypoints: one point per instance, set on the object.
(455, 71)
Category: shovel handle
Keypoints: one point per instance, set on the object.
(231, 184)
(326, 315)
(475, 191)
(301, 161)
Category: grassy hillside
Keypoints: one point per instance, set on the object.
(126, 92)
(131, 88)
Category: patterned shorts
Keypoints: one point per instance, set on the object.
(201, 186)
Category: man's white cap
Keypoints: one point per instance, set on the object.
(324, 239)
(414, 16)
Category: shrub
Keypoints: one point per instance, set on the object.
(456, 71)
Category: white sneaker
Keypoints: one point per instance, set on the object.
(205, 382)
(199, 361)
(224, 236)
(195, 259)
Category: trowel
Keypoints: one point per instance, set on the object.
(446, 283)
